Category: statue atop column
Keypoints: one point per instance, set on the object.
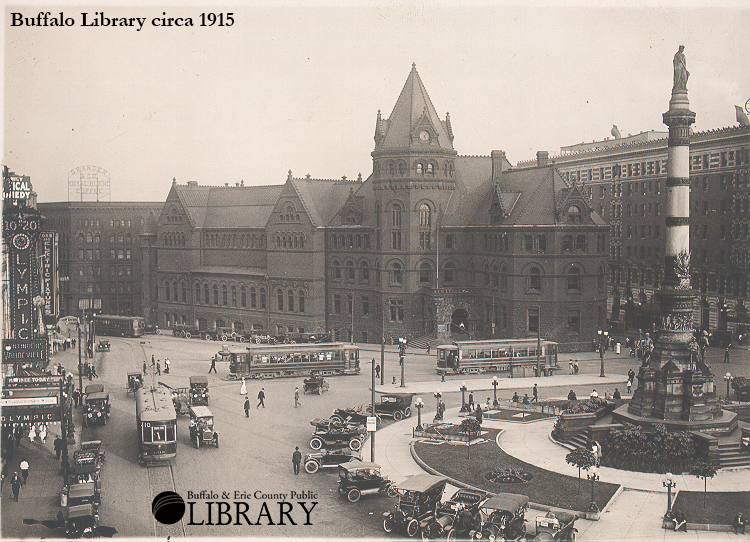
(680, 71)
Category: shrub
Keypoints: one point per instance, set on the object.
(470, 426)
(584, 407)
(657, 450)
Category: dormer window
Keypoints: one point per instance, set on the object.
(574, 215)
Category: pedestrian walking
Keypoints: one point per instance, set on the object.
(144, 367)
(166, 366)
(428, 349)
(158, 367)
(24, 466)
(261, 398)
(471, 401)
(630, 385)
(377, 368)
(58, 445)
(296, 459)
(631, 374)
(32, 434)
(15, 485)
(43, 433)
(93, 372)
(243, 387)
(213, 365)
(570, 363)
(535, 394)
(296, 397)
(76, 397)
(478, 414)
(153, 360)
(726, 355)
(575, 367)
(247, 407)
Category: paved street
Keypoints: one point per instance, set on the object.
(255, 453)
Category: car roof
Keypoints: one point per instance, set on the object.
(201, 411)
(399, 395)
(97, 395)
(80, 510)
(135, 373)
(421, 482)
(199, 379)
(93, 388)
(90, 444)
(357, 465)
(506, 501)
(82, 490)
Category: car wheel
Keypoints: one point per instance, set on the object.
(197, 441)
(312, 467)
(316, 443)
(407, 412)
(353, 495)
(397, 415)
(355, 444)
(224, 338)
(320, 390)
(337, 419)
(450, 536)
(388, 524)
(412, 528)
(425, 538)
(216, 440)
(242, 339)
(206, 336)
(392, 492)
(187, 335)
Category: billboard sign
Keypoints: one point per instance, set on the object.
(25, 350)
(89, 183)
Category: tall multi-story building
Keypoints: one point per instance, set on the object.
(99, 251)
(429, 244)
(624, 179)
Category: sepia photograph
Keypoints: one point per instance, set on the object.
(376, 270)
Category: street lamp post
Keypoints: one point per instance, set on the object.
(419, 404)
(463, 396)
(728, 379)
(402, 356)
(438, 413)
(603, 335)
(593, 475)
(669, 483)
(494, 386)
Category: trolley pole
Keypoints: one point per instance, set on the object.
(80, 365)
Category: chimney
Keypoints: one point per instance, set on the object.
(542, 158)
(498, 158)
(192, 183)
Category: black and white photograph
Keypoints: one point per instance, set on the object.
(339, 270)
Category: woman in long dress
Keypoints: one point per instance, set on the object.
(243, 388)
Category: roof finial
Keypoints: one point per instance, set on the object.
(174, 181)
(289, 176)
(413, 65)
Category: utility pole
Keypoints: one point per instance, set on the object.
(372, 402)
(64, 423)
(538, 343)
(80, 365)
(382, 343)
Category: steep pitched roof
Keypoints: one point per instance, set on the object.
(413, 107)
(322, 198)
(228, 206)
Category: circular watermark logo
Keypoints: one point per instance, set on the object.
(168, 507)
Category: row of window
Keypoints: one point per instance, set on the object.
(289, 301)
(731, 158)
(290, 240)
(738, 231)
(96, 254)
(113, 222)
(727, 181)
(107, 287)
(174, 239)
(350, 240)
(741, 206)
(289, 215)
(233, 240)
(421, 167)
(96, 270)
(95, 238)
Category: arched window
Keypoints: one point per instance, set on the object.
(301, 300)
(174, 291)
(301, 241)
(364, 272)
(349, 270)
(601, 280)
(424, 215)
(486, 273)
(197, 293)
(290, 301)
(396, 215)
(397, 273)
(418, 168)
(224, 300)
(430, 169)
(424, 273)
(336, 270)
(166, 291)
(401, 168)
(495, 276)
(574, 214)
(574, 280)
(391, 168)
(503, 276)
(262, 298)
(377, 272)
(280, 299)
(234, 296)
(449, 275)
(216, 294)
(535, 279)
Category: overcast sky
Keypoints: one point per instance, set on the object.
(291, 87)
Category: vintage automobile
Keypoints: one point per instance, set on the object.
(103, 346)
(85, 468)
(556, 526)
(315, 383)
(81, 521)
(135, 382)
(94, 446)
(151, 329)
(394, 405)
(455, 517)
(358, 478)
(92, 388)
(356, 416)
(418, 497)
(97, 408)
(202, 427)
(331, 458)
(329, 434)
(502, 516)
(199, 390)
(86, 493)
(181, 330)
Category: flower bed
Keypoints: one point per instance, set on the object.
(446, 431)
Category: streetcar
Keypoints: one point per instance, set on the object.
(157, 424)
(517, 357)
(119, 326)
(281, 360)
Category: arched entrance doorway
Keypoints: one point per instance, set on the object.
(460, 322)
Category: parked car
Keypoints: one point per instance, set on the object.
(186, 332)
(151, 329)
(97, 408)
(356, 416)
(455, 517)
(331, 458)
(315, 384)
(394, 405)
(328, 434)
(85, 493)
(81, 521)
(418, 497)
(502, 516)
(556, 526)
(358, 478)
(103, 346)
(199, 390)
(202, 427)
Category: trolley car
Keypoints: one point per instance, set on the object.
(514, 356)
(157, 424)
(281, 360)
(119, 326)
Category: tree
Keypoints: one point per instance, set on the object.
(581, 458)
(703, 469)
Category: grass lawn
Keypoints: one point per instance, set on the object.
(720, 507)
(549, 488)
(517, 415)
